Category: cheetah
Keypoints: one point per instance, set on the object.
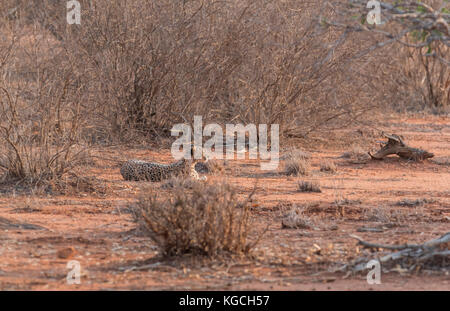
(137, 170)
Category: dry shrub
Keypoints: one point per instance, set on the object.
(328, 166)
(296, 219)
(146, 65)
(410, 72)
(421, 82)
(38, 144)
(294, 153)
(41, 105)
(308, 186)
(138, 67)
(297, 163)
(205, 220)
(296, 167)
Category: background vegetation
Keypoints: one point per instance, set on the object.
(134, 68)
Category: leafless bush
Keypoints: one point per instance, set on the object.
(149, 64)
(135, 68)
(40, 108)
(205, 220)
(309, 186)
(411, 49)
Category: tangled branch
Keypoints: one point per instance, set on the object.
(410, 23)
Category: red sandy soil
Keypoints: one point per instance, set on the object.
(97, 229)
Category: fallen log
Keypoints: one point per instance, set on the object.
(396, 145)
(431, 255)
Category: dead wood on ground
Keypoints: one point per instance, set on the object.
(431, 255)
(396, 145)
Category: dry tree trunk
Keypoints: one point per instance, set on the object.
(396, 145)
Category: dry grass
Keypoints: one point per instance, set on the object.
(296, 219)
(356, 155)
(353, 153)
(74, 184)
(328, 166)
(213, 166)
(297, 163)
(342, 201)
(294, 153)
(385, 215)
(179, 182)
(200, 219)
(308, 186)
(297, 167)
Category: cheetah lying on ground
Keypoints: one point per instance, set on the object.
(136, 170)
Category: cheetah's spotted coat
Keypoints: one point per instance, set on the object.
(136, 170)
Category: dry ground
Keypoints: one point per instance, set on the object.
(403, 201)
